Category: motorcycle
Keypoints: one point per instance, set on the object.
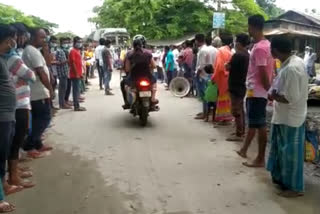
(139, 98)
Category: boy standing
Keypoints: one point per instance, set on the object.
(238, 68)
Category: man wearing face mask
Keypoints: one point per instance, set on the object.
(75, 62)
(22, 77)
(67, 48)
(70, 42)
(7, 106)
(45, 51)
(53, 45)
(23, 37)
(41, 92)
(63, 72)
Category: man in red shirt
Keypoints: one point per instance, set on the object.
(187, 60)
(75, 61)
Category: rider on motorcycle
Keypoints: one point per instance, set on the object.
(139, 64)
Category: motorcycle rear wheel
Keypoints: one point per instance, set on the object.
(144, 116)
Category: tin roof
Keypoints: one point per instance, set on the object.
(274, 32)
(299, 17)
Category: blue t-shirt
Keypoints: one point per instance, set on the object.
(170, 60)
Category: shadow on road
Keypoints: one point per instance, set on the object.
(126, 120)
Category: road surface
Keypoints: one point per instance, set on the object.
(105, 163)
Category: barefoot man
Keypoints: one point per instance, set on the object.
(290, 93)
(258, 83)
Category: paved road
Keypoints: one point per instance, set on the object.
(105, 163)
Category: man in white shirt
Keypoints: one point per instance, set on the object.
(212, 51)
(161, 73)
(290, 94)
(41, 93)
(306, 55)
(176, 54)
(203, 59)
(156, 58)
(107, 66)
(310, 63)
(99, 62)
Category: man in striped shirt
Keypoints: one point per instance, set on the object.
(63, 72)
(7, 110)
(22, 77)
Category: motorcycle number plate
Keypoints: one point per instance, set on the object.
(145, 93)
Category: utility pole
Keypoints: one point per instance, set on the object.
(219, 10)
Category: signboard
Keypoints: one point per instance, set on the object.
(219, 20)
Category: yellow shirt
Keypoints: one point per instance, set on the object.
(278, 64)
(88, 56)
(123, 55)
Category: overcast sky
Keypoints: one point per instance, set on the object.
(72, 15)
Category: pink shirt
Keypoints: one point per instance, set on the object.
(188, 56)
(260, 57)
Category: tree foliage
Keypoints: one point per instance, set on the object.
(37, 21)
(154, 19)
(237, 19)
(270, 8)
(68, 34)
(158, 19)
(9, 14)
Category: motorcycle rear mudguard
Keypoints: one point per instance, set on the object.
(143, 103)
(146, 102)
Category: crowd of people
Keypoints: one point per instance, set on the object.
(33, 64)
(235, 80)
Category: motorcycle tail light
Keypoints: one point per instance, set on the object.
(144, 83)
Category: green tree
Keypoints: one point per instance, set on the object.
(237, 19)
(179, 17)
(9, 14)
(155, 19)
(37, 21)
(270, 8)
(237, 13)
(65, 34)
(159, 19)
